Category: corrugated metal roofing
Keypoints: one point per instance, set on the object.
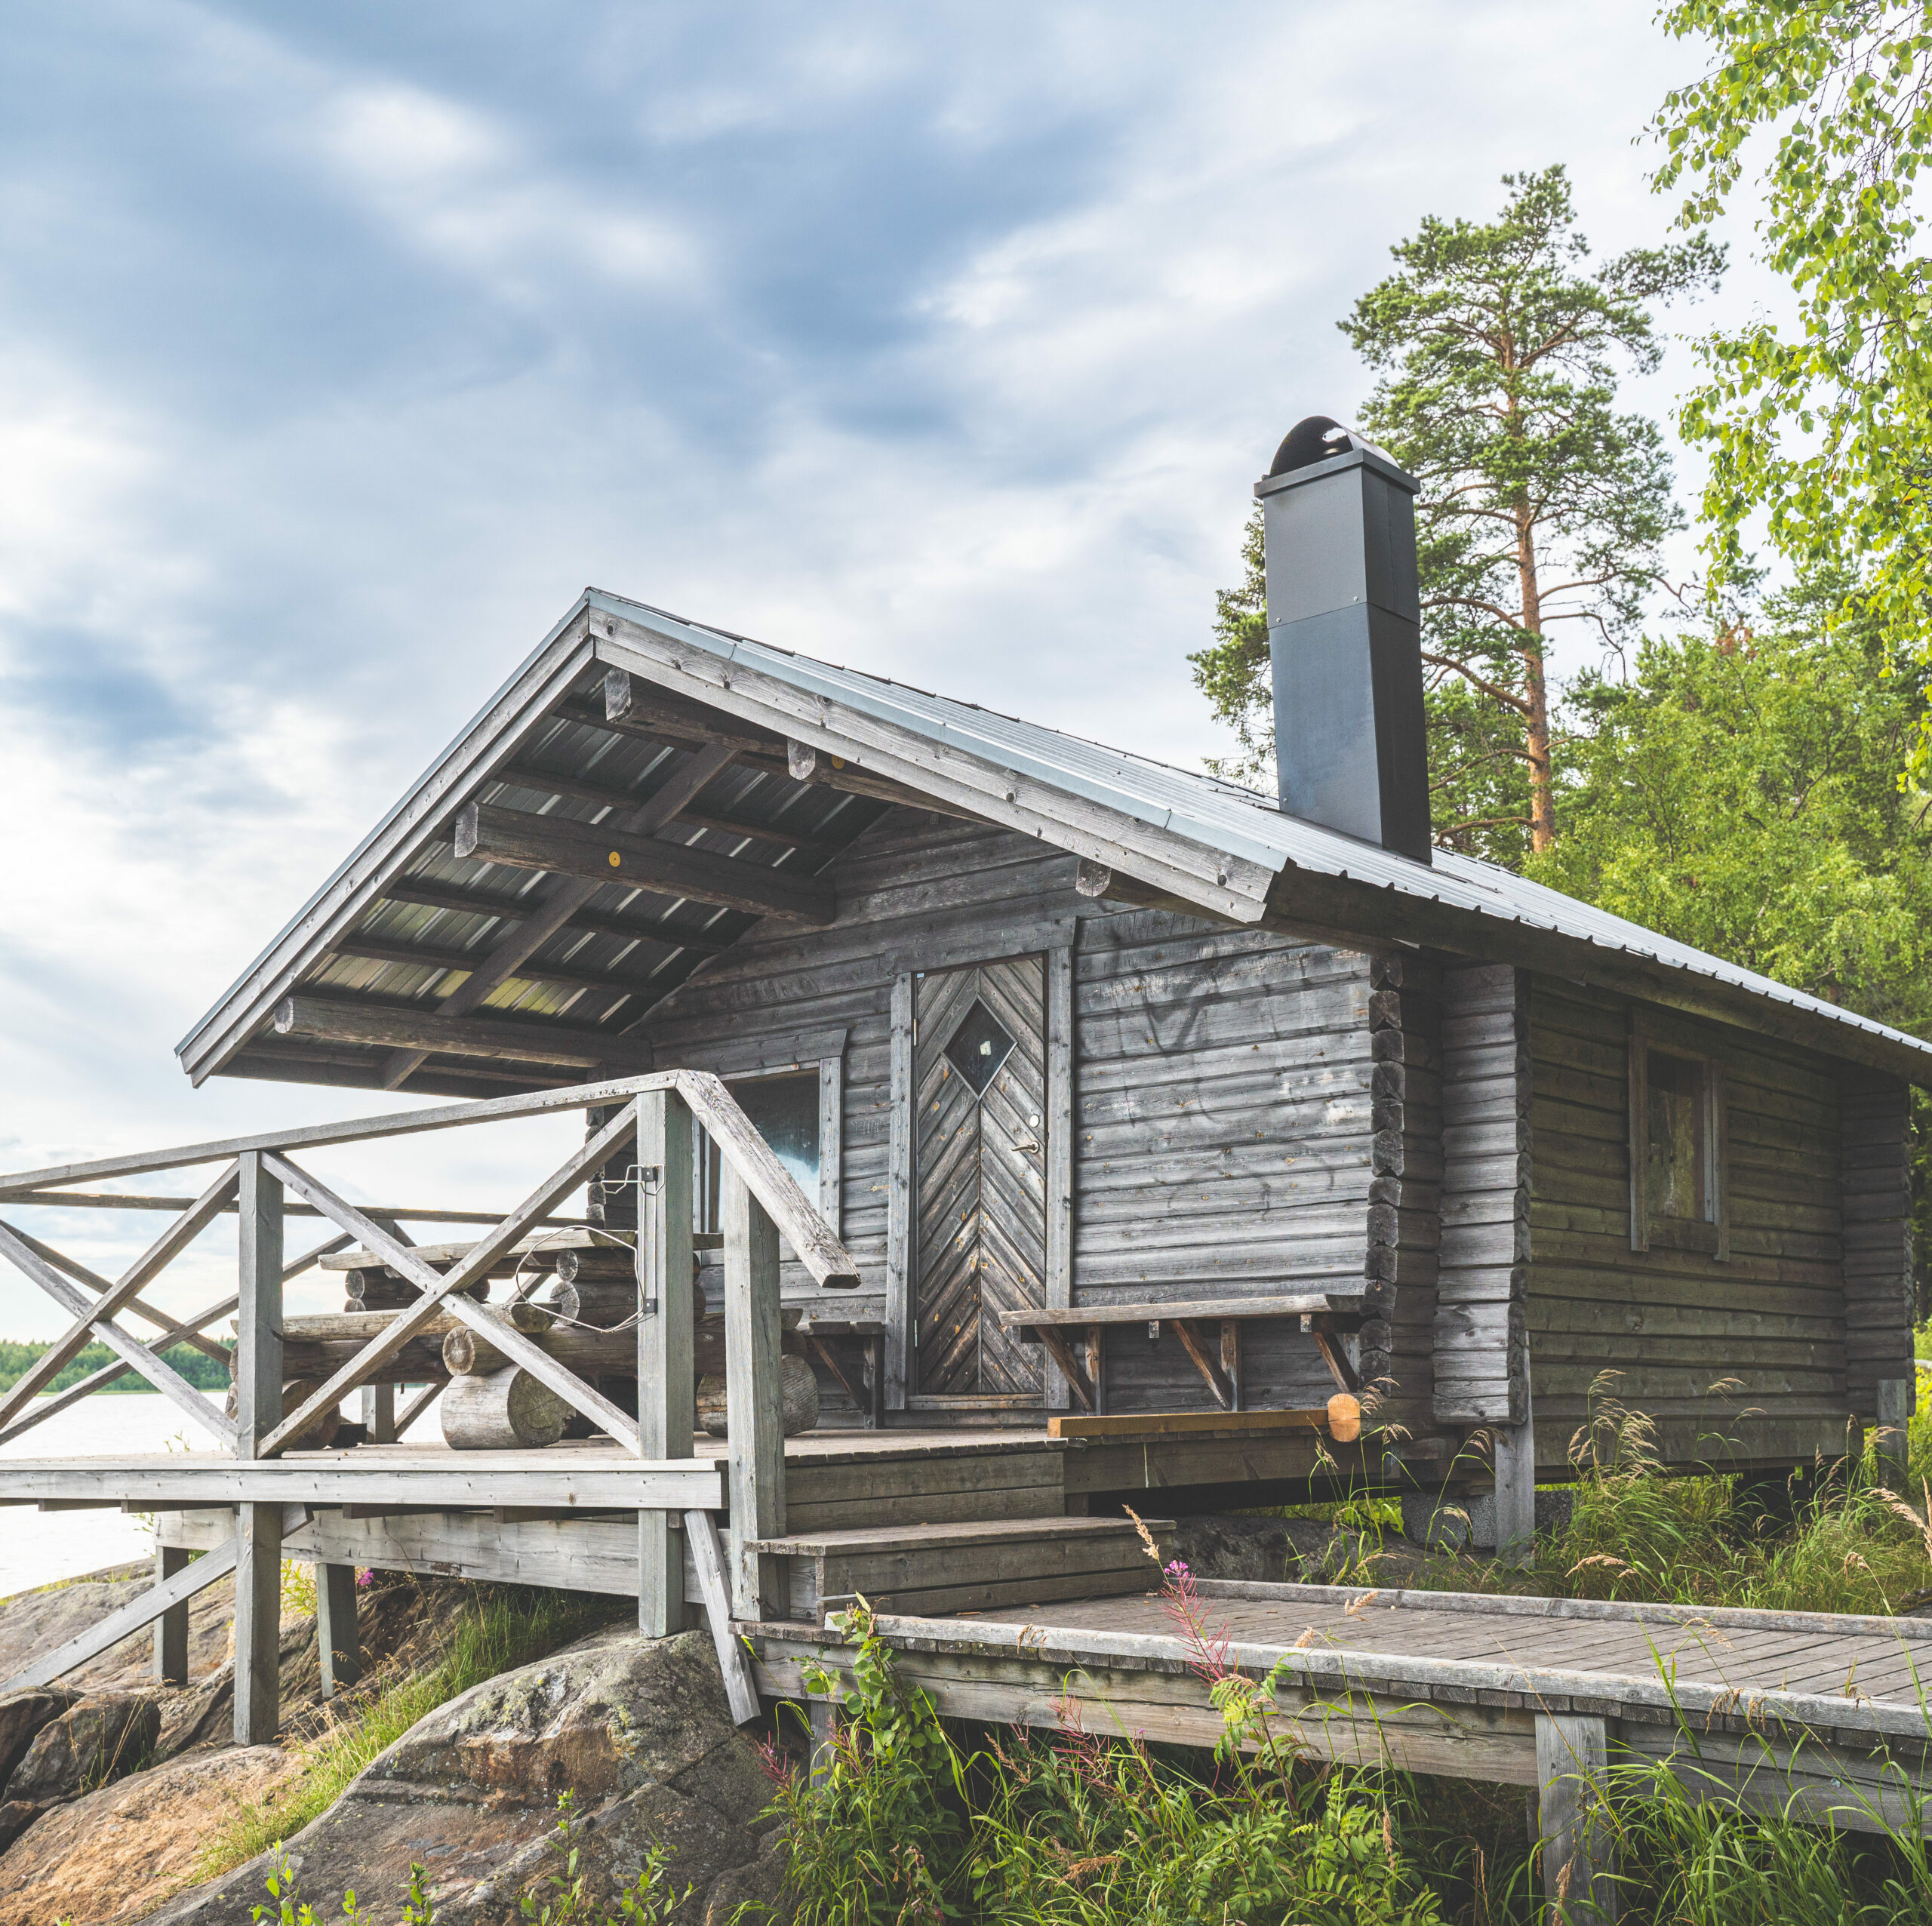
(1222, 815)
(1214, 813)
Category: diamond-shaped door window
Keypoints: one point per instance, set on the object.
(979, 1047)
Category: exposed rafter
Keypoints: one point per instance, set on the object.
(600, 856)
(553, 781)
(332, 1019)
(376, 950)
(672, 935)
(565, 899)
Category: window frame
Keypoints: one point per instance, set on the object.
(792, 1055)
(1710, 1234)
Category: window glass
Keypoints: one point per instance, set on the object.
(1674, 1182)
(784, 1112)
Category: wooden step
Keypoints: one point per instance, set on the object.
(972, 1565)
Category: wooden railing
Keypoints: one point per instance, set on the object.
(258, 1177)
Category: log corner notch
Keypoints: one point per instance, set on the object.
(520, 840)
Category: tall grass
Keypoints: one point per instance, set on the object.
(502, 1630)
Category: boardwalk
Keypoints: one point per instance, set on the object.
(1819, 1714)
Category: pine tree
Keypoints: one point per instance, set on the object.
(1541, 504)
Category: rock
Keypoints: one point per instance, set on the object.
(103, 1737)
(15, 1816)
(1267, 1550)
(22, 1716)
(637, 1729)
(116, 1854)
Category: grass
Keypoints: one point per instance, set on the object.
(503, 1629)
(915, 1821)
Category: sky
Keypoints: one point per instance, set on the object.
(340, 347)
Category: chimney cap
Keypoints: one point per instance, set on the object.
(1316, 439)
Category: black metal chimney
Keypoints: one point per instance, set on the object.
(1345, 633)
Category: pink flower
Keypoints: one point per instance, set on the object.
(363, 1580)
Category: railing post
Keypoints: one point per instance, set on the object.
(257, 1411)
(753, 1393)
(378, 1413)
(666, 1418)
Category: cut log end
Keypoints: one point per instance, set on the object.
(506, 1410)
(1344, 1418)
(799, 1401)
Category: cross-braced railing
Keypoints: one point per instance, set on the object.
(259, 1176)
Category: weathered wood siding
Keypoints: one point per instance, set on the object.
(1481, 1349)
(1768, 1321)
(1226, 1132)
(1875, 1110)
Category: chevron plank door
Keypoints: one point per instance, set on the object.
(980, 1075)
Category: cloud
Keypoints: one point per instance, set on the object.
(340, 347)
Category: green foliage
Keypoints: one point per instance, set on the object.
(197, 1367)
(902, 1826)
(1741, 793)
(648, 1901)
(1541, 504)
(506, 1628)
(290, 1908)
(1823, 425)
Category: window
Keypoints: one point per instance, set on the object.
(1679, 1194)
(785, 1111)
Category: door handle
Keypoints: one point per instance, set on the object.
(1026, 1143)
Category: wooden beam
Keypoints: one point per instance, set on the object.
(562, 902)
(708, 1559)
(665, 1414)
(448, 1291)
(337, 1019)
(480, 903)
(1194, 1342)
(805, 764)
(552, 781)
(636, 708)
(598, 855)
(752, 1333)
(162, 1376)
(376, 949)
(154, 1260)
(107, 1633)
(1172, 1424)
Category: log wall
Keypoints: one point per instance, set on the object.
(1226, 1127)
(1741, 1358)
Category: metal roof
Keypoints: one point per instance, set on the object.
(1224, 815)
(410, 845)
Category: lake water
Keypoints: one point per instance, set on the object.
(37, 1547)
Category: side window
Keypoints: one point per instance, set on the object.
(1674, 1178)
(1679, 1194)
(785, 1111)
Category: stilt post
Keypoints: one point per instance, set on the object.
(1514, 1450)
(337, 1637)
(1579, 1854)
(667, 1419)
(171, 1629)
(258, 1410)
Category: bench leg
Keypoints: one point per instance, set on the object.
(171, 1629)
(1578, 1851)
(336, 1635)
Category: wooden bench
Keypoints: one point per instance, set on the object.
(1216, 1355)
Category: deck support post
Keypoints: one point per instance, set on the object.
(257, 1412)
(666, 1418)
(1579, 1849)
(336, 1638)
(171, 1629)
(823, 1713)
(378, 1413)
(1514, 1450)
(752, 1363)
(1896, 1396)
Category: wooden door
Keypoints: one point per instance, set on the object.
(979, 1081)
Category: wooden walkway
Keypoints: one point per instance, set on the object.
(1820, 1715)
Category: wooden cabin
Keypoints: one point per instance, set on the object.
(1133, 1091)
